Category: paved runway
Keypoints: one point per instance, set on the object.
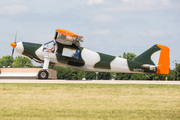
(88, 81)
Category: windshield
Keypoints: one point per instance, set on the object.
(49, 47)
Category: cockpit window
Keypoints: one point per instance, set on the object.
(49, 47)
(70, 52)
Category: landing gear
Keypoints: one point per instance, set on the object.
(150, 78)
(43, 74)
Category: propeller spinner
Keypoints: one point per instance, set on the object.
(13, 44)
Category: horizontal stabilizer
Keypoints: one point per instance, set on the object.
(150, 67)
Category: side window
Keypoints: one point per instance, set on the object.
(49, 47)
(69, 52)
(76, 55)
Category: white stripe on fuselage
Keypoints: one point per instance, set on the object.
(90, 57)
(119, 65)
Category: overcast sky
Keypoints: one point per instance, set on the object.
(108, 26)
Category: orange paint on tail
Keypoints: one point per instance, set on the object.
(164, 60)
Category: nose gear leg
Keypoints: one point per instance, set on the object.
(46, 62)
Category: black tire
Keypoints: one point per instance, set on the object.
(43, 74)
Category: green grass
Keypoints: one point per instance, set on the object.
(89, 101)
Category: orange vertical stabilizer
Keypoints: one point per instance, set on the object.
(164, 60)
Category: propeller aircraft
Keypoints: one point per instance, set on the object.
(65, 50)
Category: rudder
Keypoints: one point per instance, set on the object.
(164, 60)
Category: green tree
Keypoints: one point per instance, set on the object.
(170, 75)
(113, 75)
(104, 76)
(123, 76)
(21, 61)
(61, 72)
(68, 73)
(162, 76)
(90, 75)
(177, 71)
(6, 61)
(138, 76)
(129, 56)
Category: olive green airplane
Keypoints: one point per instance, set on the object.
(65, 50)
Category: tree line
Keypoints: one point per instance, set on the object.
(72, 74)
(19, 61)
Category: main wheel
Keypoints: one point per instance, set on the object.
(43, 74)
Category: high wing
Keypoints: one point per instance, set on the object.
(67, 38)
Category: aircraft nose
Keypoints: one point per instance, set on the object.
(13, 44)
(20, 48)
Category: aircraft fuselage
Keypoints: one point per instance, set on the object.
(86, 59)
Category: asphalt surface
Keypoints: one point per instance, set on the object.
(88, 81)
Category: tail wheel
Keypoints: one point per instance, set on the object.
(150, 78)
(43, 74)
